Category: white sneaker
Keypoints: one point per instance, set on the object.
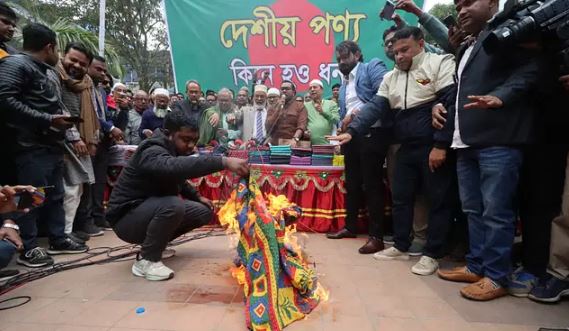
(168, 253)
(426, 266)
(152, 270)
(390, 254)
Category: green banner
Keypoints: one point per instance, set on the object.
(232, 43)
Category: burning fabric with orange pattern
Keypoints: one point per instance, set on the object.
(278, 284)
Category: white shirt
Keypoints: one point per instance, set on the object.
(457, 142)
(255, 130)
(352, 100)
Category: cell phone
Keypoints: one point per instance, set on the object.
(74, 119)
(449, 21)
(27, 200)
(388, 10)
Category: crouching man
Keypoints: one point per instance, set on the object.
(152, 203)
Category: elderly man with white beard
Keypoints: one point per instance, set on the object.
(254, 116)
(153, 119)
(221, 122)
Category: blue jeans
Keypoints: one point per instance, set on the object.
(488, 183)
(7, 250)
(42, 167)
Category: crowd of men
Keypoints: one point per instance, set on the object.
(473, 143)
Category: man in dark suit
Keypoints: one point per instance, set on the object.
(365, 154)
(192, 106)
(494, 119)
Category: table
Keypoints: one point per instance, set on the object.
(319, 191)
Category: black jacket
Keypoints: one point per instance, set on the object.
(511, 74)
(194, 110)
(155, 171)
(28, 99)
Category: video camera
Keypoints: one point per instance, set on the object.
(546, 22)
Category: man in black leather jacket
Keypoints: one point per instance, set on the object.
(31, 106)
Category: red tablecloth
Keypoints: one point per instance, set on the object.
(319, 191)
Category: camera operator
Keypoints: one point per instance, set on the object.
(541, 184)
(554, 284)
(493, 121)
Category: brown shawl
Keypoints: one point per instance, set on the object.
(88, 129)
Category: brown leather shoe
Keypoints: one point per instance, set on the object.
(344, 233)
(484, 290)
(373, 245)
(459, 274)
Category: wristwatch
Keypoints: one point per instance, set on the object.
(296, 139)
(11, 226)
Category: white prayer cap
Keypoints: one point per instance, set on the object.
(161, 91)
(274, 91)
(118, 85)
(316, 82)
(261, 88)
(244, 88)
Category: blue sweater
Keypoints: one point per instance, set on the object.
(149, 121)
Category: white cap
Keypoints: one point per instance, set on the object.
(117, 85)
(161, 91)
(274, 91)
(261, 88)
(316, 82)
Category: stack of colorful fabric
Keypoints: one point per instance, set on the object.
(259, 155)
(238, 153)
(279, 285)
(301, 156)
(280, 154)
(323, 155)
(205, 150)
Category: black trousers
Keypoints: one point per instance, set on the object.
(411, 174)
(83, 216)
(158, 220)
(364, 157)
(100, 167)
(541, 190)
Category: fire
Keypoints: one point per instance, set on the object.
(323, 293)
(239, 274)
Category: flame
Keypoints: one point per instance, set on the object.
(276, 206)
(277, 203)
(322, 293)
(239, 274)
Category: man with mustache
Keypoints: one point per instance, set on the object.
(8, 20)
(406, 97)
(322, 114)
(152, 203)
(365, 154)
(221, 121)
(493, 122)
(287, 121)
(153, 118)
(76, 92)
(254, 117)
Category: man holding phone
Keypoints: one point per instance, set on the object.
(29, 99)
(10, 241)
(12, 200)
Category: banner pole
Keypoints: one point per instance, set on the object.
(163, 6)
(102, 31)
